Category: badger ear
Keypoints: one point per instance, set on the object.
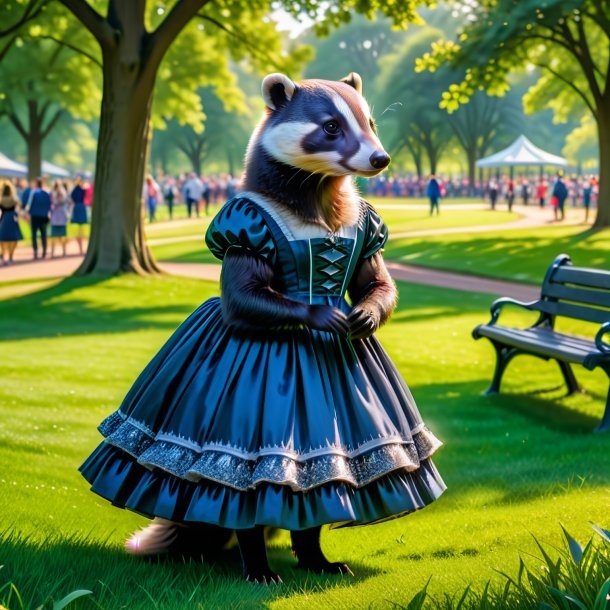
(277, 90)
(354, 80)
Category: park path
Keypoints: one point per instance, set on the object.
(530, 216)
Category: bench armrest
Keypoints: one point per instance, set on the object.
(496, 307)
(601, 345)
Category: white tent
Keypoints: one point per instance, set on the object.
(522, 152)
(11, 169)
(49, 169)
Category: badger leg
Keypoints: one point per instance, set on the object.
(163, 538)
(254, 556)
(306, 547)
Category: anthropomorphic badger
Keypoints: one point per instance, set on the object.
(274, 405)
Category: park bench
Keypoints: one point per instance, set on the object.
(569, 292)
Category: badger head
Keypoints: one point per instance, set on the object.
(321, 126)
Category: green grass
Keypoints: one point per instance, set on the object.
(399, 220)
(519, 254)
(515, 464)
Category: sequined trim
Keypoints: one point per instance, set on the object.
(242, 470)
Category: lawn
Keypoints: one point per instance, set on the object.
(519, 254)
(515, 464)
(399, 220)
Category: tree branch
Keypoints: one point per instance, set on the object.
(92, 20)
(14, 119)
(159, 41)
(254, 50)
(72, 47)
(584, 59)
(28, 15)
(570, 83)
(47, 130)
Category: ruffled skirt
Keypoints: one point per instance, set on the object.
(291, 429)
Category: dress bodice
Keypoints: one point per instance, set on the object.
(310, 263)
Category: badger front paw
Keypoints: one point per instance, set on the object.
(363, 322)
(325, 317)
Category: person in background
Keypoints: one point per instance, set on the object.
(151, 195)
(525, 191)
(206, 193)
(510, 194)
(433, 193)
(10, 233)
(38, 209)
(493, 193)
(78, 215)
(169, 194)
(587, 191)
(59, 217)
(541, 192)
(88, 188)
(560, 192)
(193, 190)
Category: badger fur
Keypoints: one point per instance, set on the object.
(311, 140)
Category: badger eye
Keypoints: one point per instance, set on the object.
(331, 128)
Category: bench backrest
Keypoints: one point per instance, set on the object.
(575, 292)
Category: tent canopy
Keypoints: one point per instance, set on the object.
(11, 169)
(522, 152)
(49, 169)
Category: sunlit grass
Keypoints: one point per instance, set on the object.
(520, 254)
(515, 464)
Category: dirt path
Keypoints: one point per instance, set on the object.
(530, 216)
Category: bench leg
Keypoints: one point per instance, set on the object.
(604, 424)
(504, 355)
(568, 375)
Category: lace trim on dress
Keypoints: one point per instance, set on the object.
(242, 470)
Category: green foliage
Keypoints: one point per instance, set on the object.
(582, 144)
(357, 46)
(412, 118)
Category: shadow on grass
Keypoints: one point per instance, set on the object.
(47, 313)
(513, 255)
(52, 568)
(516, 443)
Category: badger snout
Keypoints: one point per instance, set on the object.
(380, 159)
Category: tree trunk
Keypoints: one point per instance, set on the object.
(195, 160)
(603, 200)
(117, 242)
(471, 156)
(34, 145)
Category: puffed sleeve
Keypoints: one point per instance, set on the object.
(240, 225)
(376, 232)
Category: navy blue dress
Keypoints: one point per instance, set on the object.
(9, 223)
(292, 429)
(79, 211)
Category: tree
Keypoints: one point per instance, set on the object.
(413, 118)
(221, 131)
(41, 83)
(134, 38)
(569, 40)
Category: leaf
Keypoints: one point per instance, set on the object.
(605, 534)
(560, 596)
(575, 548)
(417, 603)
(602, 601)
(62, 603)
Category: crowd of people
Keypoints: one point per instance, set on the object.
(555, 191)
(189, 189)
(47, 210)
